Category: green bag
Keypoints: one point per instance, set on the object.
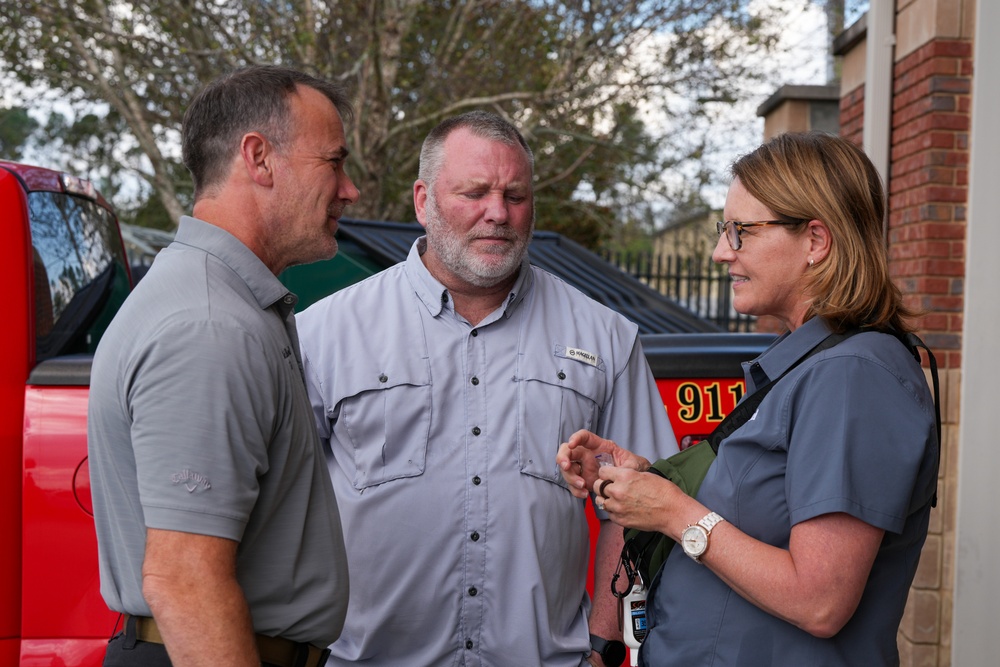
(646, 550)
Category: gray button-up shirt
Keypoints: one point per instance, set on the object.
(464, 545)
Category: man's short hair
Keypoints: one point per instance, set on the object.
(249, 99)
(482, 124)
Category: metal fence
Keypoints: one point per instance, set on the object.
(698, 284)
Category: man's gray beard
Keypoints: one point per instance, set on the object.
(457, 258)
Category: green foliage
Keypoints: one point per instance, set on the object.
(579, 77)
(15, 128)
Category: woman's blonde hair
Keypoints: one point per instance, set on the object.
(816, 176)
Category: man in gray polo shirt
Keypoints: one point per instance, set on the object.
(216, 519)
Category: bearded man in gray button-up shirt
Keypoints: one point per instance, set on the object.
(444, 387)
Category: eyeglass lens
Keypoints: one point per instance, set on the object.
(732, 231)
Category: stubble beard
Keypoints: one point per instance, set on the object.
(454, 250)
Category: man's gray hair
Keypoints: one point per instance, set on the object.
(482, 124)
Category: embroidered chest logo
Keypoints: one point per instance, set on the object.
(191, 480)
(582, 355)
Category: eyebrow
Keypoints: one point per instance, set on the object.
(481, 183)
(340, 153)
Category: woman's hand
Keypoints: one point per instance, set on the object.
(578, 463)
(648, 502)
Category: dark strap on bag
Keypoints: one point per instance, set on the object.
(745, 408)
(913, 343)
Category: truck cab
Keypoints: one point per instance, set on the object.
(64, 265)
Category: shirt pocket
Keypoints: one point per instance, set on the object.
(558, 395)
(384, 420)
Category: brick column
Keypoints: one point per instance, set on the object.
(852, 115)
(928, 191)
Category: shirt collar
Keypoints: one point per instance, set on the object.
(219, 243)
(434, 295)
(787, 350)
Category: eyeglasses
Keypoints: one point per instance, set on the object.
(734, 230)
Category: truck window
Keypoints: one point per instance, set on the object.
(80, 272)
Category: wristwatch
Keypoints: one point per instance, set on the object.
(612, 652)
(694, 539)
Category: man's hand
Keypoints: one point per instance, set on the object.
(595, 659)
(579, 466)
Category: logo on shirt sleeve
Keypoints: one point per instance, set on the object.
(191, 480)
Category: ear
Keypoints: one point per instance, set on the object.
(819, 239)
(420, 201)
(257, 155)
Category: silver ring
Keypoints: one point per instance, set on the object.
(601, 486)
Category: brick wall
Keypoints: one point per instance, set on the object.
(928, 191)
(852, 115)
(928, 187)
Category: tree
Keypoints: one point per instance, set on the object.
(575, 76)
(15, 128)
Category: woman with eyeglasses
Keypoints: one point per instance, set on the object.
(804, 537)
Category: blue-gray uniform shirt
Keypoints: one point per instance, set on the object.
(851, 430)
(200, 422)
(465, 546)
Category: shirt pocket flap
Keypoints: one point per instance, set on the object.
(558, 395)
(383, 421)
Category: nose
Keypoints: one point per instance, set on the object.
(347, 191)
(496, 209)
(723, 251)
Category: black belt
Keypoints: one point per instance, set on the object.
(273, 650)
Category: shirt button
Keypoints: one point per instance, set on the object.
(475, 430)
(289, 300)
(562, 376)
(474, 536)
(475, 332)
(383, 378)
(475, 380)
(468, 644)
(473, 592)
(476, 480)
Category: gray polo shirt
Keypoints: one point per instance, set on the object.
(851, 429)
(465, 546)
(200, 422)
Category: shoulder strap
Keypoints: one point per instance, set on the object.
(913, 343)
(745, 408)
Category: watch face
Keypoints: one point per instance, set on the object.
(613, 654)
(694, 539)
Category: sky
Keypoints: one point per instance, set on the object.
(801, 58)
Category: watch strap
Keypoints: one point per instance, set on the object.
(709, 521)
(612, 651)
